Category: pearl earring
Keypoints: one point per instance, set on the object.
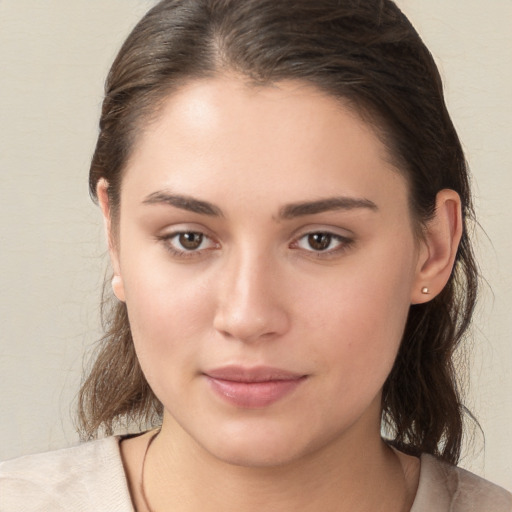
(425, 290)
(117, 287)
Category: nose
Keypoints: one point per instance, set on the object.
(251, 302)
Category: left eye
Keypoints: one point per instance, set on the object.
(320, 242)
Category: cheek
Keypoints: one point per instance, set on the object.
(170, 315)
(360, 318)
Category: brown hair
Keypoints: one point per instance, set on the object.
(368, 54)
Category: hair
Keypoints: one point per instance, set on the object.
(367, 54)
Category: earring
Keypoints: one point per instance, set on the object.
(425, 290)
(117, 287)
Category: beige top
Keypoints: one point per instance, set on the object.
(90, 477)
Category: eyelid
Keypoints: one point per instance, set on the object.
(323, 227)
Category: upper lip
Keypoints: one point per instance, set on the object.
(253, 374)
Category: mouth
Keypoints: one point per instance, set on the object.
(252, 388)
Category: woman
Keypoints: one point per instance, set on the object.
(285, 200)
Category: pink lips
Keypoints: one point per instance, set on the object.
(252, 388)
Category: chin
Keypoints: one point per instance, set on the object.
(255, 455)
(263, 445)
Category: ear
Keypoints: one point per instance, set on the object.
(104, 202)
(438, 247)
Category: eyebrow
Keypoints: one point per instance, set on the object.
(187, 203)
(287, 212)
(301, 209)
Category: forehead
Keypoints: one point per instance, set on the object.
(218, 135)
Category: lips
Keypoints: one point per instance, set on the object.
(252, 388)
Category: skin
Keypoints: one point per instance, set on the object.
(257, 292)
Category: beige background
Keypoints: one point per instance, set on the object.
(54, 55)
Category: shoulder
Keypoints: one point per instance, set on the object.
(86, 477)
(443, 487)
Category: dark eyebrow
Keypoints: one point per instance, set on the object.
(287, 212)
(293, 210)
(184, 203)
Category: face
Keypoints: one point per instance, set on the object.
(267, 259)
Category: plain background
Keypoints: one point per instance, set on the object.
(54, 56)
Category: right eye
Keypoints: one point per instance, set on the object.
(187, 243)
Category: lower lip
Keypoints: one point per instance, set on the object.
(253, 395)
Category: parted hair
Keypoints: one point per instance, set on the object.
(367, 54)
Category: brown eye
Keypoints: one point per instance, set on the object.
(188, 244)
(323, 243)
(319, 241)
(190, 241)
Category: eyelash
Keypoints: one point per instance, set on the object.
(343, 242)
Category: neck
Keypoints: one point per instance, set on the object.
(347, 474)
